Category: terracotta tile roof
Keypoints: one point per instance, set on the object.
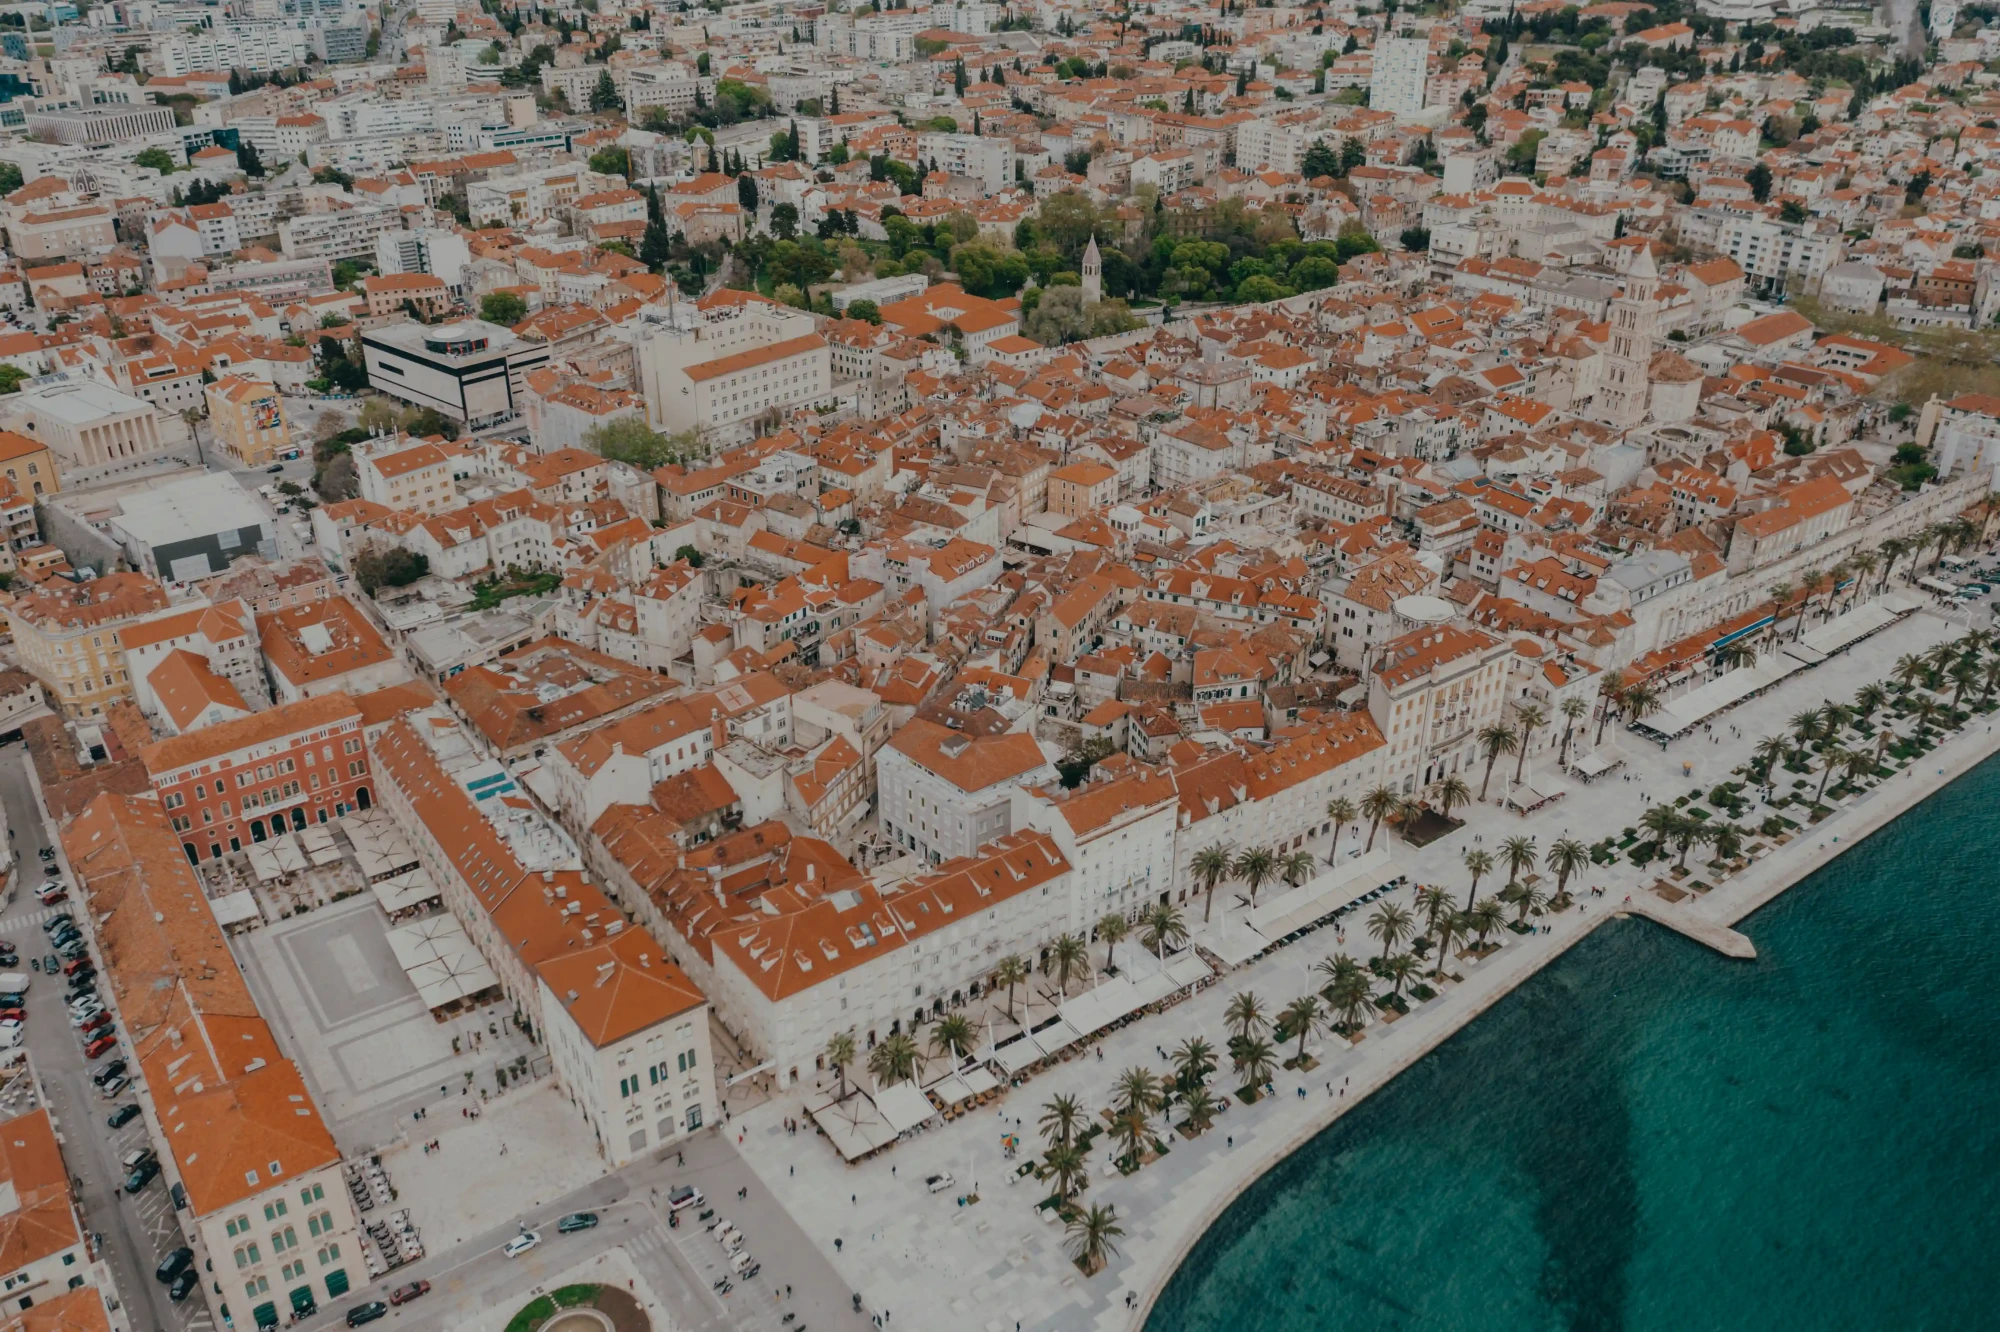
(187, 688)
(971, 764)
(233, 1110)
(548, 688)
(621, 986)
(353, 643)
(211, 742)
(744, 360)
(41, 1220)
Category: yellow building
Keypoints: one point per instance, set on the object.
(68, 636)
(28, 464)
(248, 419)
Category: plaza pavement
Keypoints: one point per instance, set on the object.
(928, 1262)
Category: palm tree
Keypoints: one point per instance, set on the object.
(1337, 969)
(1111, 929)
(1299, 1019)
(1479, 862)
(1209, 866)
(1808, 727)
(1391, 924)
(1573, 710)
(1688, 833)
(1895, 548)
(1060, 1117)
(1529, 900)
(1408, 813)
(894, 1060)
(1908, 670)
(1520, 855)
(1297, 867)
(1809, 582)
(1531, 718)
(1433, 901)
(1245, 1015)
(952, 1036)
(1832, 757)
(1377, 805)
(1255, 868)
(1137, 1092)
(1090, 1237)
(1068, 956)
(1486, 918)
(1869, 699)
(1781, 597)
(1565, 858)
(1641, 701)
(1451, 924)
(1839, 716)
(1010, 971)
(1201, 1105)
(1253, 1058)
(1399, 970)
(1989, 678)
(1726, 840)
(1770, 752)
(1963, 673)
(1494, 741)
(1663, 821)
(839, 1054)
(1341, 810)
(1161, 928)
(1194, 1060)
(1738, 653)
(1450, 791)
(1864, 563)
(1068, 1169)
(1349, 997)
(1130, 1129)
(1927, 711)
(1610, 692)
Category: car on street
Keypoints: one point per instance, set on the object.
(367, 1313)
(174, 1264)
(13, 1014)
(10, 1034)
(183, 1285)
(275, 468)
(99, 1046)
(576, 1221)
(404, 1294)
(51, 963)
(521, 1243)
(9, 959)
(48, 853)
(123, 1115)
(684, 1195)
(77, 965)
(142, 1176)
(939, 1183)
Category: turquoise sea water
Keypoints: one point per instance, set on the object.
(1649, 1137)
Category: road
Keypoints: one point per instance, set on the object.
(1905, 22)
(138, 1231)
(681, 1263)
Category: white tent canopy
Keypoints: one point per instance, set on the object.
(441, 961)
(903, 1106)
(1323, 895)
(854, 1125)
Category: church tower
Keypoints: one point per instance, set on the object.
(1093, 273)
(1621, 398)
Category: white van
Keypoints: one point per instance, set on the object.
(13, 982)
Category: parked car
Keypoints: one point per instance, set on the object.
(13, 1014)
(50, 963)
(137, 1157)
(521, 1243)
(684, 1195)
(367, 1313)
(939, 1183)
(51, 896)
(404, 1294)
(95, 1022)
(77, 965)
(111, 1070)
(275, 468)
(51, 870)
(141, 1177)
(576, 1221)
(48, 853)
(56, 922)
(10, 1034)
(123, 1115)
(113, 1088)
(101, 1045)
(184, 1284)
(174, 1264)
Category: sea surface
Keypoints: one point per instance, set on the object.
(1649, 1137)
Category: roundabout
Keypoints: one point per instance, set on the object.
(581, 1308)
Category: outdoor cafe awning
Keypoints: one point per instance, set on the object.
(1320, 897)
(854, 1126)
(903, 1106)
(1016, 1054)
(1055, 1036)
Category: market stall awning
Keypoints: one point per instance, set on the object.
(903, 1106)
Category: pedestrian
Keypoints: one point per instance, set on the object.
(1232, 1140)
(854, 1199)
(836, 1249)
(794, 1171)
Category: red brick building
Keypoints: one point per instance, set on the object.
(244, 781)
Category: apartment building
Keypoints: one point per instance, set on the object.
(627, 1031)
(248, 420)
(44, 1254)
(388, 295)
(990, 161)
(1398, 75)
(267, 1210)
(403, 474)
(347, 233)
(67, 635)
(28, 464)
(945, 794)
(58, 233)
(1430, 693)
(241, 782)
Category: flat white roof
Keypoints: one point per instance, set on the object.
(196, 506)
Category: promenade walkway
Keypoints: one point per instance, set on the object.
(928, 1262)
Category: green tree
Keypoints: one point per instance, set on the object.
(630, 440)
(746, 192)
(612, 160)
(10, 178)
(864, 310)
(604, 97)
(381, 568)
(1319, 160)
(502, 307)
(157, 158)
(839, 1054)
(247, 160)
(784, 221)
(11, 377)
(1759, 180)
